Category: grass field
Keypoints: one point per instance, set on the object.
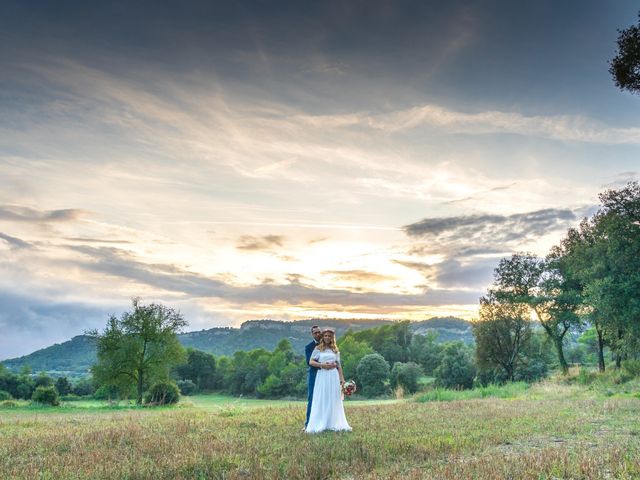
(548, 430)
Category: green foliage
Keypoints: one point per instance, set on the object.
(351, 352)
(162, 393)
(187, 387)
(632, 367)
(113, 392)
(373, 373)
(602, 256)
(63, 386)
(391, 341)
(199, 369)
(46, 396)
(509, 390)
(625, 66)
(502, 334)
(139, 348)
(5, 395)
(406, 375)
(43, 380)
(457, 369)
(426, 352)
(83, 387)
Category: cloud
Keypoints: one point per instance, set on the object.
(359, 276)
(458, 272)
(468, 247)
(18, 213)
(173, 279)
(569, 128)
(265, 242)
(28, 323)
(14, 242)
(501, 228)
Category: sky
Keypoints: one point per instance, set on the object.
(292, 160)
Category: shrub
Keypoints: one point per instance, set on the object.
(83, 387)
(46, 396)
(457, 369)
(406, 375)
(8, 404)
(187, 387)
(107, 392)
(4, 395)
(373, 372)
(632, 367)
(162, 393)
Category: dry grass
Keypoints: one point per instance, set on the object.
(571, 436)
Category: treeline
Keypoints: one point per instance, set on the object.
(589, 282)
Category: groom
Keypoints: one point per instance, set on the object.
(316, 333)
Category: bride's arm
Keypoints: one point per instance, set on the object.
(339, 367)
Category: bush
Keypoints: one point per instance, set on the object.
(162, 393)
(406, 375)
(632, 367)
(8, 404)
(83, 387)
(46, 396)
(373, 372)
(187, 387)
(107, 392)
(457, 369)
(4, 395)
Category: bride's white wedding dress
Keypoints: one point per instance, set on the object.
(327, 411)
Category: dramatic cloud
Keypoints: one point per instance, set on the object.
(28, 323)
(170, 278)
(501, 228)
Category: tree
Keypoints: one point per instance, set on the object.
(200, 369)
(541, 285)
(63, 386)
(373, 372)
(457, 369)
(406, 375)
(426, 351)
(391, 341)
(502, 334)
(603, 255)
(46, 396)
(625, 66)
(351, 352)
(139, 348)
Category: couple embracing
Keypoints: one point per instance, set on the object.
(324, 408)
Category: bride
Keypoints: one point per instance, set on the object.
(327, 411)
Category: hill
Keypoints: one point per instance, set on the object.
(75, 356)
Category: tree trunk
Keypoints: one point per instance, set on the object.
(140, 386)
(559, 348)
(601, 365)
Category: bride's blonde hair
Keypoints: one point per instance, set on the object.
(333, 345)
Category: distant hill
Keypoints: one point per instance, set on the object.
(75, 356)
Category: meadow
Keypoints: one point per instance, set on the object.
(547, 430)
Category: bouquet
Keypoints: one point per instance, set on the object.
(349, 388)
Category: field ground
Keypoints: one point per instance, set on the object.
(549, 430)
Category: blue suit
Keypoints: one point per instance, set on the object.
(308, 350)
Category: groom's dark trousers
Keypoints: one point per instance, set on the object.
(308, 350)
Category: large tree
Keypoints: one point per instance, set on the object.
(625, 66)
(502, 335)
(139, 348)
(543, 286)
